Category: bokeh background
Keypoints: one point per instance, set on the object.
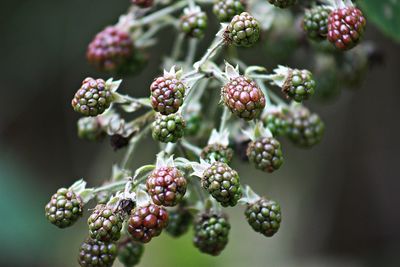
(340, 200)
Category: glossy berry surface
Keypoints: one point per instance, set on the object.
(265, 154)
(93, 253)
(264, 216)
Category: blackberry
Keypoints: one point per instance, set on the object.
(167, 93)
(168, 128)
(105, 224)
(94, 253)
(180, 219)
(315, 22)
(299, 85)
(305, 128)
(110, 50)
(64, 208)
(166, 186)
(147, 222)
(282, 3)
(225, 10)
(277, 122)
(130, 252)
(211, 232)
(222, 182)
(346, 27)
(243, 30)
(243, 97)
(193, 23)
(93, 98)
(264, 216)
(266, 154)
(217, 152)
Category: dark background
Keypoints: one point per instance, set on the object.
(340, 199)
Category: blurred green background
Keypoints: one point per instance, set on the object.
(339, 200)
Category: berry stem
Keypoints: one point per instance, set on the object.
(111, 187)
(191, 51)
(177, 47)
(133, 144)
(196, 150)
(211, 52)
(265, 90)
(224, 119)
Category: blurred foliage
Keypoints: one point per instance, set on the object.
(385, 14)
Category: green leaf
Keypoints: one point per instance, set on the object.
(385, 14)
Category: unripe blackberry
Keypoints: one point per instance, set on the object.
(168, 128)
(282, 3)
(147, 222)
(167, 93)
(193, 124)
(179, 221)
(277, 123)
(64, 208)
(130, 252)
(217, 152)
(346, 27)
(110, 50)
(143, 3)
(89, 128)
(222, 182)
(315, 22)
(94, 253)
(305, 128)
(243, 97)
(264, 216)
(243, 30)
(193, 23)
(93, 98)
(105, 224)
(299, 85)
(211, 232)
(166, 186)
(266, 154)
(225, 10)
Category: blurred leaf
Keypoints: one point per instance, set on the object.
(385, 14)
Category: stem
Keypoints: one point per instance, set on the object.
(159, 14)
(264, 89)
(177, 47)
(274, 97)
(191, 96)
(191, 51)
(225, 117)
(116, 186)
(132, 146)
(196, 150)
(215, 46)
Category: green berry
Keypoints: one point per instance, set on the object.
(94, 253)
(93, 98)
(276, 122)
(305, 128)
(243, 30)
(193, 23)
(168, 128)
(264, 216)
(211, 232)
(299, 85)
(193, 124)
(222, 182)
(217, 152)
(64, 208)
(282, 3)
(130, 252)
(266, 154)
(225, 10)
(180, 219)
(105, 224)
(315, 22)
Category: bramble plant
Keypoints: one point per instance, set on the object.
(192, 179)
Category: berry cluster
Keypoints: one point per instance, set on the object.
(193, 179)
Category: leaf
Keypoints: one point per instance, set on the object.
(384, 14)
(142, 170)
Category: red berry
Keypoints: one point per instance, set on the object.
(346, 27)
(243, 97)
(147, 222)
(110, 50)
(166, 185)
(167, 93)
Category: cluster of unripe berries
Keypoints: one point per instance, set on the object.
(122, 222)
